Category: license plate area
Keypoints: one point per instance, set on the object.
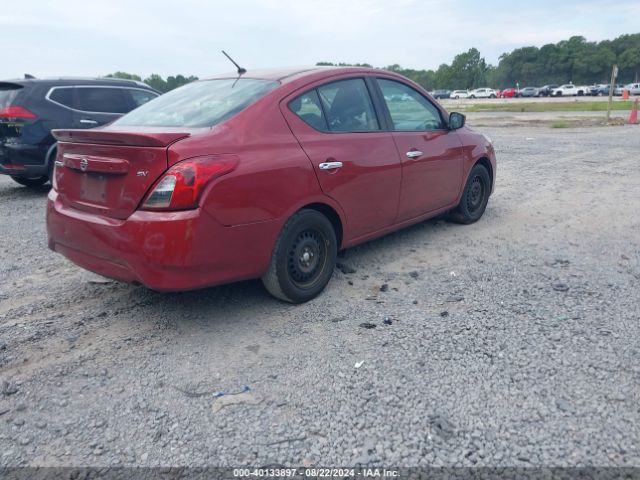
(93, 188)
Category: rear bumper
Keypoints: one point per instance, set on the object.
(165, 251)
(24, 160)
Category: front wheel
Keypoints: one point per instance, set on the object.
(492, 96)
(31, 182)
(474, 196)
(303, 258)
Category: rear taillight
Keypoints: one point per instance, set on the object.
(16, 111)
(181, 187)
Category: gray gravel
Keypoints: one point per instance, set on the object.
(514, 341)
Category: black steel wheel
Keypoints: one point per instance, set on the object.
(474, 196)
(303, 259)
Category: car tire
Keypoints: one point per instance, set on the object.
(472, 96)
(474, 196)
(492, 96)
(303, 258)
(31, 182)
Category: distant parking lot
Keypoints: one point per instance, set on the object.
(513, 341)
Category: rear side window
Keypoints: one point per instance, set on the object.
(103, 100)
(414, 112)
(140, 97)
(63, 96)
(199, 104)
(307, 107)
(348, 106)
(8, 93)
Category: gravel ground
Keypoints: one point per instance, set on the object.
(512, 342)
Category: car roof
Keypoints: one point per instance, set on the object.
(69, 81)
(286, 75)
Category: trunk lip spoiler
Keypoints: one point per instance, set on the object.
(121, 138)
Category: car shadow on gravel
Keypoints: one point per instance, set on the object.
(251, 294)
(18, 191)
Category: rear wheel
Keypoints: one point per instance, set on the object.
(303, 259)
(474, 197)
(31, 182)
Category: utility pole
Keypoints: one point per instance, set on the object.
(614, 74)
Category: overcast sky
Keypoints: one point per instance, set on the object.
(97, 37)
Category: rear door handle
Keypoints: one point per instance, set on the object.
(414, 153)
(87, 121)
(330, 165)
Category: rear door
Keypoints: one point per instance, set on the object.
(97, 105)
(356, 162)
(431, 154)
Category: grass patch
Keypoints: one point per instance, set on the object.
(552, 106)
(560, 124)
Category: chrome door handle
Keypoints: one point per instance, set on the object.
(330, 165)
(86, 121)
(414, 153)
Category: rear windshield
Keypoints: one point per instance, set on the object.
(8, 94)
(199, 104)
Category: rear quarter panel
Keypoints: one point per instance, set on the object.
(273, 176)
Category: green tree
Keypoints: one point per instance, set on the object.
(124, 76)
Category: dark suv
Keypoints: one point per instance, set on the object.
(31, 108)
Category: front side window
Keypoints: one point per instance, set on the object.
(203, 103)
(414, 112)
(348, 106)
(102, 100)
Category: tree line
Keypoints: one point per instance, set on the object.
(574, 60)
(156, 81)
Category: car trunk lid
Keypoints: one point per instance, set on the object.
(109, 171)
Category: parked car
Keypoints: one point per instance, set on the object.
(279, 172)
(459, 94)
(603, 90)
(569, 89)
(31, 108)
(508, 93)
(482, 93)
(528, 92)
(546, 90)
(441, 94)
(599, 90)
(634, 88)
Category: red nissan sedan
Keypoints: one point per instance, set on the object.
(267, 175)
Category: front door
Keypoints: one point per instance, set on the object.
(431, 154)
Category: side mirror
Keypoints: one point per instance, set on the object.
(456, 120)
